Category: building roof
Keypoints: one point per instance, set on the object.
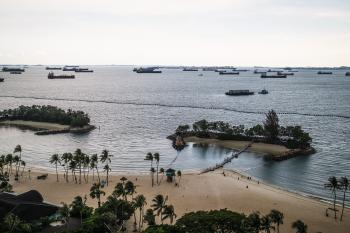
(28, 206)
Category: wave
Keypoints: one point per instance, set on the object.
(175, 106)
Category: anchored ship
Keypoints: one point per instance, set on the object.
(53, 68)
(6, 69)
(148, 70)
(51, 75)
(228, 73)
(239, 92)
(324, 72)
(273, 76)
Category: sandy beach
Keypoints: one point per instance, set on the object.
(35, 125)
(205, 192)
(262, 148)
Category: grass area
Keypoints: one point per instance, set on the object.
(35, 125)
(264, 148)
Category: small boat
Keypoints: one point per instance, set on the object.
(273, 76)
(69, 68)
(347, 74)
(285, 73)
(53, 68)
(200, 75)
(263, 92)
(190, 69)
(15, 72)
(86, 70)
(228, 73)
(1, 79)
(324, 72)
(51, 75)
(239, 92)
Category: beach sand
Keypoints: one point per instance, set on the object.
(205, 192)
(35, 125)
(262, 148)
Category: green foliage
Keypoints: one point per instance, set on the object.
(271, 125)
(79, 209)
(210, 221)
(46, 113)
(182, 128)
(163, 229)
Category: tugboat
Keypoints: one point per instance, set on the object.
(239, 92)
(228, 73)
(273, 76)
(263, 92)
(324, 72)
(347, 74)
(51, 75)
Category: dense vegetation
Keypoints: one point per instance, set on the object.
(46, 113)
(270, 131)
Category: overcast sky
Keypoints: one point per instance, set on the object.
(176, 32)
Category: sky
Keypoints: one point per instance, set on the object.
(176, 32)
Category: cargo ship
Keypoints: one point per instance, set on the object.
(285, 73)
(273, 76)
(228, 73)
(239, 92)
(148, 70)
(324, 72)
(51, 75)
(259, 72)
(6, 69)
(190, 69)
(15, 72)
(86, 70)
(53, 68)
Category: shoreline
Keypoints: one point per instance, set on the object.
(46, 128)
(270, 151)
(216, 192)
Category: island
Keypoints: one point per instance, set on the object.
(46, 119)
(270, 139)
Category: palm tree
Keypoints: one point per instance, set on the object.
(149, 217)
(66, 158)
(119, 191)
(265, 224)
(140, 202)
(152, 175)
(149, 157)
(299, 226)
(18, 149)
(254, 222)
(161, 170)
(130, 188)
(16, 161)
(159, 202)
(169, 212)
(14, 224)
(156, 156)
(107, 169)
(179, 175)
(79, 157)
(94, 164)
(96, 192)
(344, 185)
(277, 218)
(55, 159)
(86, 165)
(23, 163)
(65, 213)
(333, 185)
(105, 157)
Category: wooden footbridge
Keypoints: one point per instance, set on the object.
(227, 160)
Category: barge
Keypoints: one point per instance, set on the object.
(51, 75)
(6, 69)
(324, 72)
(148, 71)
(53, 68)
(228, 73)
(239, 92)
(273, 76)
